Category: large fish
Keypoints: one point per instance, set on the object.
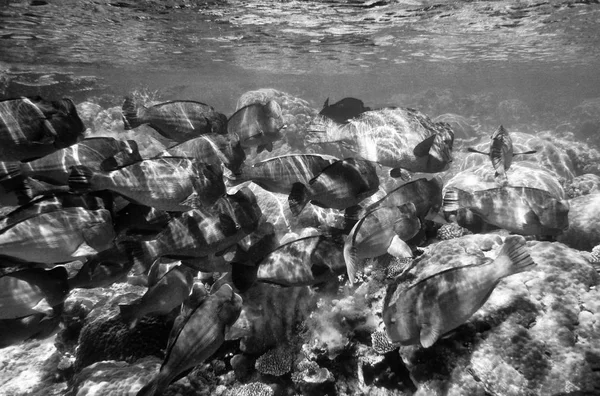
(178, 120)
(342, 184)
(168, 293)
(304, 261)
(34, 326)
(393, 137)
(195, 337)
(31, 128)
(200, 233)
(522, 210)
(423, 312)
(213, 149)
(32, 291)
(101, 153)
(501, 152)
(343, 110)
(278, 174)
(257, 125)
(59, 236)
(166, 183)
(382, 230)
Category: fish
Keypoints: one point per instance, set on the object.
(57, 237)
(382, 230)
(501, 152)
(522, 210)
(343, 110)
(195, 337)
(100, 153)
(163, 296)
(213, 149)
(103, 269)
(398, 138)
(166, 183)
(425, 311)
(257, 125)
(179, 120)
(32, 291)
(199, 233)
(342, 184)
(140, 219)
(33, 127)
(35, 326)
(301, 262)
(278, 174)
(425, 194)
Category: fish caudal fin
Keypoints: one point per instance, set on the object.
(451, 203)
(10, 171)
(513, 257)
(80, 178)
(152, 388)
(298, 198)
(351, 259)
(131, 118)
(128, 314)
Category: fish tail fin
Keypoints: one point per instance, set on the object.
(351, 259)
(128, 314)
(451, 201)
(139, 254)
(11, 170)
(298, 198)
(152, 388)
(131, 116)
(513, 257)
(243, 276)
(81, 178)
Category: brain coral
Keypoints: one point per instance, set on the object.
(536, 335)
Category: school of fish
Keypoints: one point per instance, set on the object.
(100, 202)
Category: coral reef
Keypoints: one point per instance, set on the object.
(582, 185)
(584, 216)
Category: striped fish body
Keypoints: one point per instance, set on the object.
(257, 125)
(164, 183)
(31, 128)
(55, 167)
(425, 194)
(423, 312)
(302, 262)
(176, 120)
(195, 337)
(59, 236)
(279, 174)
(501, 151)
(214, 149)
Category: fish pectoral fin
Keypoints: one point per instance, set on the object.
(472, 150)
(298, 198)
(399, 248)
(84, 250)
(429, 334)
(422, 149)
(43, 307)
(526, 152)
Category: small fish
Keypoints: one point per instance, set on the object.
(382, 230)
(305, 261)
(425, 311)
(195, 337)
(200, 233)
(177, 120)
(57, 237)
(165, 183)
(32, 291)
(31, 128)
(102, 270)
(163, 296)
(342, 184)
(501, 152)
(522, 210)
(35, 326)
(96, 153)
(257, 125)
(278, 174)
(344, 110)
(213, 149)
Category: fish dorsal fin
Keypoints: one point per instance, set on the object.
(422, 149)
(326, 104)
(429, 333)
(472, 150)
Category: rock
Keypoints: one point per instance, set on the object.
(536, 335)
(461, 126)
(584, 219)
(582, 185)
(513, 111)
